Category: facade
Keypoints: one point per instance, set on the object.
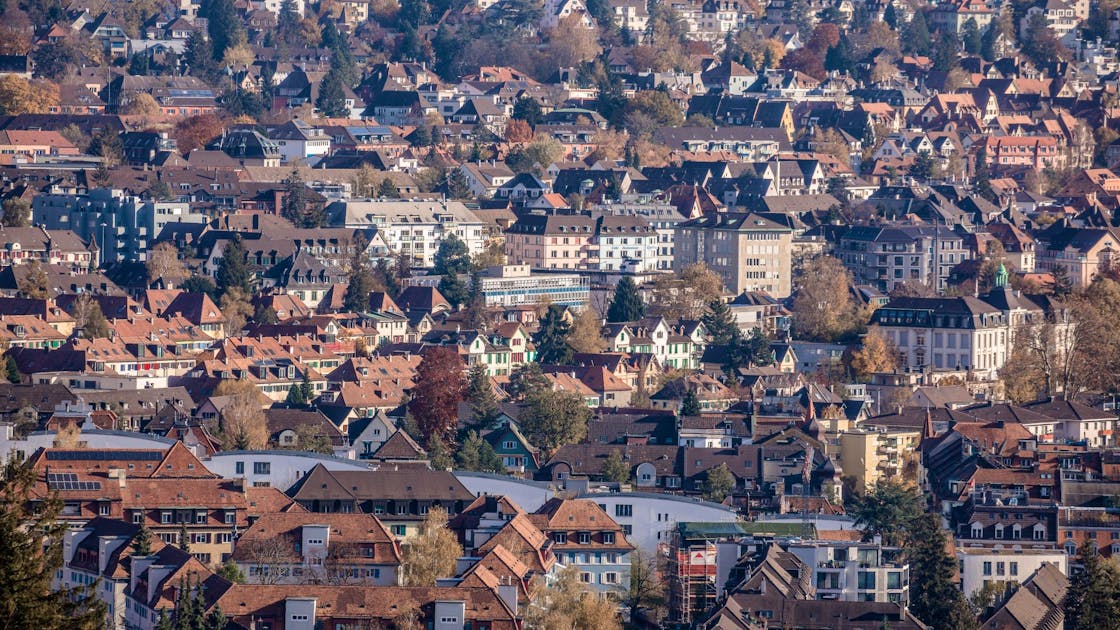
(750, 252)
(870, 455)
(983, 566)
(121, 225)
(854, 572)
(584, 536)
(517, 285)
(413, 228)
(885, 257)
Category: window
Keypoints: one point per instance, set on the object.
(866, 580)
(624, 509)
(586, 578)
(165, 517)
(559, 537)
(200, 517)
(627, 529)
(585, 538)
(987, 568)
(230, 515)
(103, 509)
(608, 538)
(894, 580)
(610, 578)
(1001, 568)
(137, 517)
(239, 468)
(1014, 568)
(262, 468)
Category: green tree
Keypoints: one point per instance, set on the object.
(552, 337)
(971, 38)
(915, 35)
(230, 571)
(480, 396)
(922, 168)
(198, 55)
(615, 469)
(361, 280)
(11, 369)
(288, 22)
(298, 206)
(233, 268)
(454, 290)
(719, 484)
(839, 58)
(947, 51)
(934, 596)
(477, 454)
(142, 541)
(453, 256)
(224, 26)
(295, 396)
(17, 213)
(551, 419)
(752, 350)
(201, 284)
(439, 456)
(719, 323)
(887, 510)
(526, 380)
(184, 542)
(1093, 599)
(89, 319)
(627, 305)
(528, 109)
(331, 102)
(690, 405)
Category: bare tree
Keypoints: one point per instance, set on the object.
(270, 559)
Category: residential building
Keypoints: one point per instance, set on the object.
(886, 257)
(517, 285)
(979, 567)
(748, 251)
(586, 537)
(414, 229)
(855, 572)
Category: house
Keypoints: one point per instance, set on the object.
(583, 535)
(300, 547)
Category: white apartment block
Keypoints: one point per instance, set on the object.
(414, 228)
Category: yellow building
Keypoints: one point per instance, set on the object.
(868, 456)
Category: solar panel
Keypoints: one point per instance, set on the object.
(93, 455)
(69, 481)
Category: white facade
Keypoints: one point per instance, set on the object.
(853, 572)
(415, 228)
(978, 566)
(275, 469)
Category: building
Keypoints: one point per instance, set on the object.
(309, 548)
(979, 567)
(583, 535)
(556, 241)
(121, 225)
(413, 228)
(868, 455)
(300, 143)
(517, 285)
(885, 257)
(855, 572)
(748, 251)
(957, 333)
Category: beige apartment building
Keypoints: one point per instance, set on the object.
(869, 455)
(750, 252)
(557, 241)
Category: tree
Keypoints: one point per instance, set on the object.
(645, 591)
(719, 323)
(360, 279)
(233, 268)
(934, 596)
(454, 290)
(915, 35)
(387, 189)
(686, 293)
(35, 284)
(165, 262)
(690, 405)
(875, 354)
(295, 396)
(201, 284)
(230, 571)
(526, 380)
(439, 457)
(551, 419)
(627, 305)
(194, 132)
(17, 213)
(331, 102)
(947, 51)
(806, 61)
(480, 396)
(567, 603)
(242, 424)
(887, 510)
(89, 319)
(11, 370)
(184, 540)
(142, 104)
(614, 469)
(571, 43)
(823, 309)
(142, 541)
(1093, 598)
(440, 387)
(298, 206)
(518, 131)
(107, 145)
(970, 37)
(20, 96)
(236, 310)
(32, 556)
(719, 484)
(477, 454)
(585, 335)
(224, 26)
(198, 54)
(552, 337)
(528, 109)
(1040, 43)
(53, 60)
(432, 553)
(453, 256)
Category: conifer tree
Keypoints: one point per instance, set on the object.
(32, 555)
(480, 396)
(934, 597)
(295, 396)
(331, 102)
(719, 323)
(552, 337)
(142, 541)
(690, 406)
(453, 289)
(298, 207)
(626, 306)
(453, 256)
(360, 281)
(11, 369)
(615, 469)
(478, 455)
(1093, 598)
(233, 268)
(184, 537)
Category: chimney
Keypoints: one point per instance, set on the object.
(120, 475)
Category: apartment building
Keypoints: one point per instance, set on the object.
(308, 548)
(413, 228)
(978, 567)
(855, 572)
(622, 243)
(516, 285)
(885, 257)
(122, 226)
(748, 251)
(583, 535)
(660, 214)
(868, 455)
